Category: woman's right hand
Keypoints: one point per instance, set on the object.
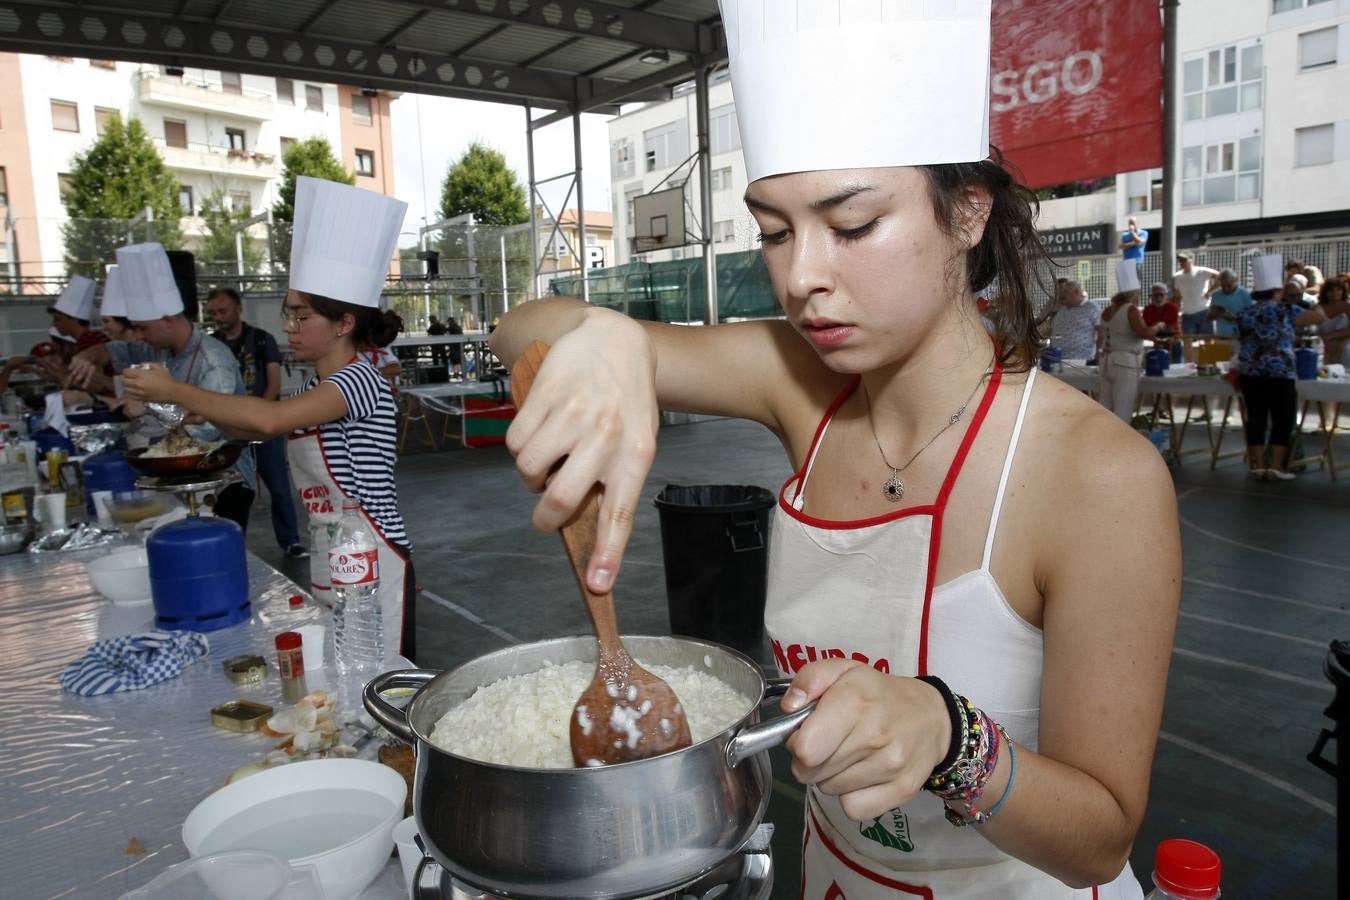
(592, 414)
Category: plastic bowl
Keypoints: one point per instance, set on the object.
(122, 576)
(337, 815)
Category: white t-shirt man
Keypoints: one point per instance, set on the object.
(1192, 285)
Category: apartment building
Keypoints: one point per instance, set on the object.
(217, 131)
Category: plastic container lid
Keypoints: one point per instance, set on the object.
(288, 640)
(296, 600)
(1186, 869)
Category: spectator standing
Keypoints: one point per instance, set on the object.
(1133, 241)
(1195, 284)
(456, 350)
(259, 360)
(437, 329)
(1266, 367)
(1164, 311)
(1225, 304)
(1074, 330)
(1335, 331)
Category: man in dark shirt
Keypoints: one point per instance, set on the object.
(259, 362)
(437, 329)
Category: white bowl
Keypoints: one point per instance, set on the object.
(122, 576)
(337, 815)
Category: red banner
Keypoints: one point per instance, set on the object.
(1076, 88)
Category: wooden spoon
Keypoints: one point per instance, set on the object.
(626, 713)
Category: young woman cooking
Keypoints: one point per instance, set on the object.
(343, 440)
(948, 518)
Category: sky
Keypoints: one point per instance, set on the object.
(448, 127)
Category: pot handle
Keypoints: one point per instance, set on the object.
(386, 713)
(758, 738)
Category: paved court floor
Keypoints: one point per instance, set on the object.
(1266, 576)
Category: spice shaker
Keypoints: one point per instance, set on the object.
(291, 665)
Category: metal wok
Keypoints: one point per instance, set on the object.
(217, 460)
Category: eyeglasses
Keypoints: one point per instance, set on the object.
(293, 320)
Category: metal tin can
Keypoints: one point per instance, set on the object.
(240, 715)
(247, 669)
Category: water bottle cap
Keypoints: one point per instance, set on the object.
(1186, 869)
(349, 503)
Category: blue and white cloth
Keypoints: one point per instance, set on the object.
(133, 662)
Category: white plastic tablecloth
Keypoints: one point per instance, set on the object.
(80, 777)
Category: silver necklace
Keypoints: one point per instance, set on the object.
(894, 488)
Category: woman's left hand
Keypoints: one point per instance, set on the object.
(153, 383)
(873, 738)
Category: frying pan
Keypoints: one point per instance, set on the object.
(217, 460)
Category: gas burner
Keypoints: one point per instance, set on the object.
(747, 875)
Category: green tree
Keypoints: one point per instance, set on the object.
(313, 157)
(111, 182)
(480, 182)
(217, 251)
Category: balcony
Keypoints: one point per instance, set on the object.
(209, 160)
(178, 93)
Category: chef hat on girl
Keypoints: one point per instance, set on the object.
(1268, 272)
(343, 240)
(1127, 275)
(146, 283)
(845, 84)
(77, 300)
(114, 303)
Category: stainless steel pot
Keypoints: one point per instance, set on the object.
(638, 829)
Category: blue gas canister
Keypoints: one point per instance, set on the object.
(1305, 364)
(198, 574)
(1157, 361)
(107, 472)
(1052, 359)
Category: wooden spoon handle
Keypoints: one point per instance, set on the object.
(580, 531)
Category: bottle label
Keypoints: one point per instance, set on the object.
(361, 567)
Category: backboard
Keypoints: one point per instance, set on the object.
(658, 220)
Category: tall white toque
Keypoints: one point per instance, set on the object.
(77, 300)
(847, 84)
(343, 240)
(114, 301)
(1268, 272)
(1127, 275)
(145, 281)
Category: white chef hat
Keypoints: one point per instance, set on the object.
(77, 300)
(1268, 272)
(146, 283)
(1127, 275)
(342, 241)
(843, 84)
(114, 301)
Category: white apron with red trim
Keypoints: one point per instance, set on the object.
(322, 498)
(864, 591)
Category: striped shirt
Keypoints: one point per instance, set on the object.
(361, 447)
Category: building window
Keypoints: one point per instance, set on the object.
(231, 83)
(361, 113)
(724, 232)
(286, 91)
(721, 179)
(314, 97)
(65, 116)
(185, 200)
(102, 116)
(175, 134)
(365, 163)
(4, 188)
(240, 202)
(1317, 49)
(725, 134)
(1225, 172)
(1147, 199)
(1288, 5)
(286, 144)
(628, 196)
(622, 162)
(1222, 81)
(1314, 146)
(65, 184)
(663, 146)
(176, 73)
(103, 64)
(235, 139)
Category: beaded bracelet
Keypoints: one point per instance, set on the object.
(962, 771)
(970, 796)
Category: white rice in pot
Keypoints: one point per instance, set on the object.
(523, 720)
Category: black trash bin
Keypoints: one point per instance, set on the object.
(715, 540)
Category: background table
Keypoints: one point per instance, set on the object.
(82, 776)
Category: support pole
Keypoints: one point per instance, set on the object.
(534, 223)
(580, 249)
(1170, 114)
(705, 197)
(239, 253)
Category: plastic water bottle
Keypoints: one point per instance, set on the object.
(1185, 870)
(354, 570)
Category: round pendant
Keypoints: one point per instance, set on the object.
(894, 489)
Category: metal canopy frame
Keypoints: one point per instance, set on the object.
(569, 56)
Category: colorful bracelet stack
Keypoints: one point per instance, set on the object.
(976, 743)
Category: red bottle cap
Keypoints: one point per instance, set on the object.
(1186, 869)
(296, 600)
(288, 640)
